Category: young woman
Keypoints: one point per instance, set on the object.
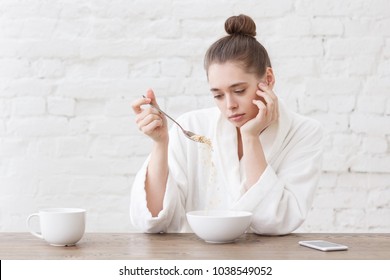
(264, 158)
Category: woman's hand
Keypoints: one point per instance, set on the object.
(268, 111)
(149, 120)
(152, 123)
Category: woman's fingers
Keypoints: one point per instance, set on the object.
(149, 118)
(268, 105)
(151, 126)
(150, 94)
(265, 88)
(260, 104)
(146, 116)
(136, 105)
(270, 99)
(149, 98)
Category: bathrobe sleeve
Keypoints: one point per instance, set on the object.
(172, 217)
(282, 197)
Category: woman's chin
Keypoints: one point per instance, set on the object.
(238, 124)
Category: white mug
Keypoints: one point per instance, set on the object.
(60, 226)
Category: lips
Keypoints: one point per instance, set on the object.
(236, 117)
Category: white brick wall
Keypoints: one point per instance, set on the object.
(70, 69)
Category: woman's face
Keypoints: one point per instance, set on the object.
(234, 90)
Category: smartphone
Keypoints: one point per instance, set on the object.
(323, 245)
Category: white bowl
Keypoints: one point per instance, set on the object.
(219, 226)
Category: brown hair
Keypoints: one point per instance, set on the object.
(240, 45)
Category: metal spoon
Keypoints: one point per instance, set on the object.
(187, 133)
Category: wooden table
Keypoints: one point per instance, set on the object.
(138, 246)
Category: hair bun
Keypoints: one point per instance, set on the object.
(240, 24)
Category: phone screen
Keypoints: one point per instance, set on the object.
(323, 245)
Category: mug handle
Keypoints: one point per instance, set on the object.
(29, 228)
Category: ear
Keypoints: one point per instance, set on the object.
(270, 77)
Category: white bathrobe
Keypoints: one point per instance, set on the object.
(200, 178)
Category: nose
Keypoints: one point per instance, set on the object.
(231, 102)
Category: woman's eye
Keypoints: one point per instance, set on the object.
(239, 91)
(218, 96)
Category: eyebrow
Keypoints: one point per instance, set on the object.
(231, 86)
